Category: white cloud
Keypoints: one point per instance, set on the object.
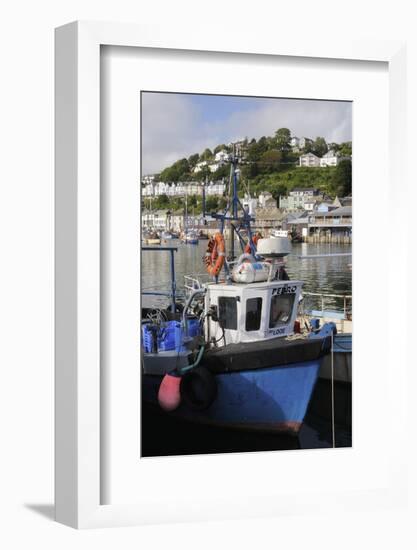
(170, 130)
(174, 127)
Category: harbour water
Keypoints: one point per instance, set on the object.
(162, 435)
(330, 275)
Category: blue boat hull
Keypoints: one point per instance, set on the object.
(268, 399)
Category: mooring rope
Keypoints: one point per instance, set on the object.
(332, 378)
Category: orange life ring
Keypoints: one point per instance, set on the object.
(215, 254)
(255, 240)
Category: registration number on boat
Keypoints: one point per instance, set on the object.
(289, 289)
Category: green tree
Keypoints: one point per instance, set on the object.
(282, 140)
(178, 171)
(250, 171)
(162, 202)
(204, 174)
(176, 203)
(308, 148)
(320, 146)
(256, 149)
(277, 189)
(192, 201)
(333, 147)
(270, 161)
(211, 204)
(222, 172)
(345, 149)
(222, 203)
(342, 180)
(206, 154)
(219, 148)
(193, 159)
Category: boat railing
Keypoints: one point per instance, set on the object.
(173, 290)
(324, 300)
(191, 283)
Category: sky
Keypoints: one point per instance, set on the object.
(175, 126)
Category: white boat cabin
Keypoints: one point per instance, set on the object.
(251, 312)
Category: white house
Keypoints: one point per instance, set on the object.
(250, 205)
(304, 192)
(295, 142)
(199, 166)
(299, 199)
(266, 199)
(161, 188)
(310, 204)
(215, 188)
(215, 166)
(325, 207)
(304, 141)
(155, 219)
(147, 190)
(329, 159)
(150, 178)
(309, 160)
(222, 156)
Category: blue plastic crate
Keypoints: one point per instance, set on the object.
(169, 337)
(194, 328)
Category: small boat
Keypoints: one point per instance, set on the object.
(168, 235)
(151, 238)
(335, 308)
(231, 353)
(190, 237)
(338, 367)
(279, 233)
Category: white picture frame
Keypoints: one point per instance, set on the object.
(78, 321)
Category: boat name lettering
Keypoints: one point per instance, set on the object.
(277, 331)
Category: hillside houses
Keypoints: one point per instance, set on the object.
(199, 166)
(181, 189)
(266, 199)
(268, 218)
(300, 198)
(304, 142)
(309, 160)
(298, 144)
(220, 158)
(331, 158)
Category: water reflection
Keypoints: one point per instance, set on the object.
(330, 275)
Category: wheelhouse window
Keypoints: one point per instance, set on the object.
(281, 310)
(253, 314)
(228, 313)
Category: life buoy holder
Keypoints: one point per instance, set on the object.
(255, 240)
(215, 254)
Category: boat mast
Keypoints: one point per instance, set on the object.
(186, 210)
(235, 212)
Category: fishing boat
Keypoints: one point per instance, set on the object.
(230, 353)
